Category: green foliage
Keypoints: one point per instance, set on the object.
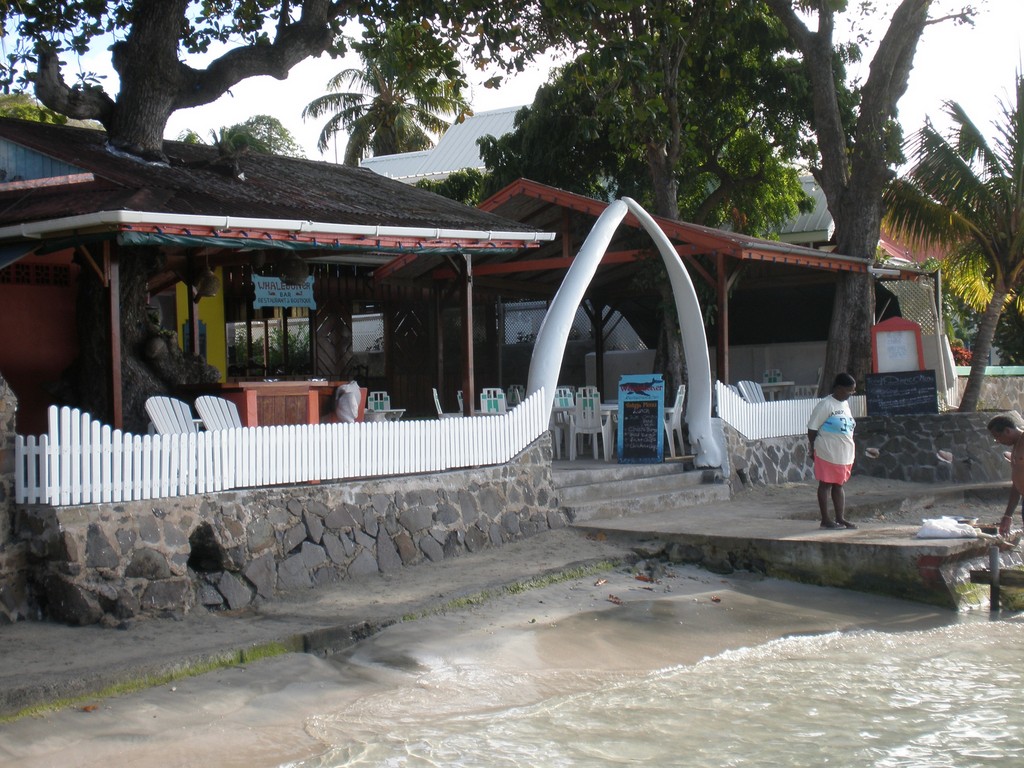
(298, 359)
(24, 107)
(209, 47)
(967, 194)
(262, 134)
(466, 186)
(410, 80)
(720, 120)
(1009, 338)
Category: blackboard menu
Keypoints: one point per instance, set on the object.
(902, 392)
(641, 417)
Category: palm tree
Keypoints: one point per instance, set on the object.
(408, 83)
(968, 195)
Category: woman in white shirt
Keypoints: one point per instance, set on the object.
(830, 434)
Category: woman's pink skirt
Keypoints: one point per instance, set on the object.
(834, 474)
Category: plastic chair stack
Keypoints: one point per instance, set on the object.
(492, 401)
(674, 423)
(440, 411)
(587, 419)
(561, 413)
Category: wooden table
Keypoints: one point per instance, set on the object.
(270, 403)
(773, 389)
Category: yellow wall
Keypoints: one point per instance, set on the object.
(211, 312)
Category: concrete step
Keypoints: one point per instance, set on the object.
(612, 491)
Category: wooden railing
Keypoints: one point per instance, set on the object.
(781, 418)
(81, 461)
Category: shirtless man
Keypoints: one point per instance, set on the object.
(1006, 431)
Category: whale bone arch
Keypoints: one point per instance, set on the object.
(553, 335)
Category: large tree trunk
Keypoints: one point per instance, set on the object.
(853, 173)
(154, 82)
(981, 348)
(668, 358)
(151, 361)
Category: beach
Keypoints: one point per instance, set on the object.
(549, 640)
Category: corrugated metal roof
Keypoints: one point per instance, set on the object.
(404, 165)
(816, 226)
(455, 151)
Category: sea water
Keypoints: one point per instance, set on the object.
(946, 696)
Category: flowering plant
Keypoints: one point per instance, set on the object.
(961, 356)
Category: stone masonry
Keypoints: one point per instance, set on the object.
(110, 563)
(908, 447)
(14, 596)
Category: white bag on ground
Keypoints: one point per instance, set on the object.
(946, 528)
(346, 402)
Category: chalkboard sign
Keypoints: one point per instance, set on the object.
(641, 419)
(902, 392)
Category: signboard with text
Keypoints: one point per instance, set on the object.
(271, 292)
(901, 392)
(641, 419)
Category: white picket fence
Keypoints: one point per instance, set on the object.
(81, 461)
(781, 418)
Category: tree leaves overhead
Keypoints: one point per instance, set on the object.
(695, 97)
(150, 42)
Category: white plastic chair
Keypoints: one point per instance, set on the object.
(588, 420)
(170, 416)
(516, 395)
(751, 391)
(674, 422)
(440, 411)
(492, 401)
(218, 413)
(561, 413)
(378, 401)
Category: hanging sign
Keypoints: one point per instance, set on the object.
(271, 292)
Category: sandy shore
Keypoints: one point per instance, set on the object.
(510, 651)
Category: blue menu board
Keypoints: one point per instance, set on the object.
(641, 438)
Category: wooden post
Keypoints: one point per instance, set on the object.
(722, 343)
(993, 566)
(468, 369)
(110, 262)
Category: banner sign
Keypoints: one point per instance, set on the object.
(270, 292)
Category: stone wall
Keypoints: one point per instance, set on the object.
(14, 602)
(998, 393)
(114, 562)
(908, 448)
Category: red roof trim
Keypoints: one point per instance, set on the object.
(695, 239)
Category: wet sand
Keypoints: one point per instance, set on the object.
(511, 651)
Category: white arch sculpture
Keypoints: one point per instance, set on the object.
(549, 349)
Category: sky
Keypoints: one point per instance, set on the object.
(974, 66)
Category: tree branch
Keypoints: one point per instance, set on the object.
(87, 103)
(295, 41)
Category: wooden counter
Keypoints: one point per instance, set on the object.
(269, 403)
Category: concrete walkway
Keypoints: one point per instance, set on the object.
(769, 530)
(776, 531)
